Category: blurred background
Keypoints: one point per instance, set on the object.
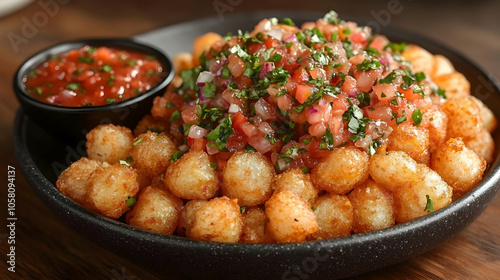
(27, 26)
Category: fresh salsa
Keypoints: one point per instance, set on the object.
(93, 76)
(296, 94)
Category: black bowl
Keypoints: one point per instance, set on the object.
(72, 123)
(42, 157)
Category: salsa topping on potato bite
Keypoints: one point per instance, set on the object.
(297, 94)
(288, 134)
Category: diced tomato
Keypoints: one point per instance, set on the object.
(317, 73)
(253, 47)
(271, 43)
(409, 94)
(238, 120)
(300, 75)
(236, 65)
(359, 38)
(303, 92)
(236, 142)
(197, 144)
(377, 44)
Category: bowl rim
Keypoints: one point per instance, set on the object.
(119, 42)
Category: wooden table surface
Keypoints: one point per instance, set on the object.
(48, 249)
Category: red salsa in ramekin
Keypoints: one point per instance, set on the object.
(93, 76)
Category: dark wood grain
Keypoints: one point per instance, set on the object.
(47, 249)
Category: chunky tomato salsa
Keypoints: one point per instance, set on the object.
(93, 76)
(295, 95)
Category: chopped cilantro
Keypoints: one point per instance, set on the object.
(87, 60)
(420, 76)
(417, 116)
(221, 133)
(287, 21)
(429, 206)
(209, 90)
(175, 116)
(401, 119)
(275, 58)
(440, 92)
(332, 17)
(364, 99)
(189, 77)
(137, 142)
(367, 64)
(328, 141)
(73, 86)
(395, 47)
(389, 79)
(169, 105)
(130, 201)
(107, 68)
(175, 156)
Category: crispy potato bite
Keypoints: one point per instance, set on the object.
(182, 61)
(192, 176)
(393, 169)
(109, 187)
(203, 44)
(464, 118)
(340, 171)
(218, 220)
(148, 123)
(186, 218)
(455, 85)
(254, 226)
(421, 60)
(459, 166)
(109, 143)
(373, 207)
(151, 152)
(156, 210)
(334, 214)
(411, 139)
(442, 66)
(411, 199)
(247, 177)
(438, 124)
(74, 180)
(483, 145)
(296, 181)
(290, 218)
(487, 116)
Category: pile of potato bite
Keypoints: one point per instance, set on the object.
(140, 175)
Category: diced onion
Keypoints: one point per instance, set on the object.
(233, 109)
(197, 132)
(261, 109)
(211, 149)
(267, 67)
(204, 77)
(291, 39)
(276, 33)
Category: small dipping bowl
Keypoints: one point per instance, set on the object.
(71, 124)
